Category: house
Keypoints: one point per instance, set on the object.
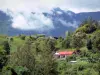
(63, 54)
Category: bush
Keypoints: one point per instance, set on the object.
(96, 40)
(22, 37)
(89, 44)
(6, 47)
(78, 40)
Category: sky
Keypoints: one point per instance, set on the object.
(27, 21)
(45, 5)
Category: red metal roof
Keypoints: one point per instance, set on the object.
(65, 52)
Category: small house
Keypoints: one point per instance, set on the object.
(63, 54)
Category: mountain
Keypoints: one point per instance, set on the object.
(5, 22)
(33, 23)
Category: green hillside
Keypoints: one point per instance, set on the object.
(34, 54)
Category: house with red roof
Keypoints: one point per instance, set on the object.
(63, 54)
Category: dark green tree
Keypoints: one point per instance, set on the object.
(78, 40)
(6, 47)
(89, 44)
(3, 59)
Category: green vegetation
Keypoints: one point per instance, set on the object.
(34, 55)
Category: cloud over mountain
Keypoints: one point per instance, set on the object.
(40, 22)
(31, 21)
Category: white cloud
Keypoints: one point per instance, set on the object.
(29, 21)
(59, 12)
(69, 24)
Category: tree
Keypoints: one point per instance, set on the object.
(59, 42)
(88, 26)
(78, 40)
(6, 47)
(96, 40)
(4, 52)
(45, 63)
(23, 57)
(22, 37)
(67, 41)
(3, 57)
(89, 44)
